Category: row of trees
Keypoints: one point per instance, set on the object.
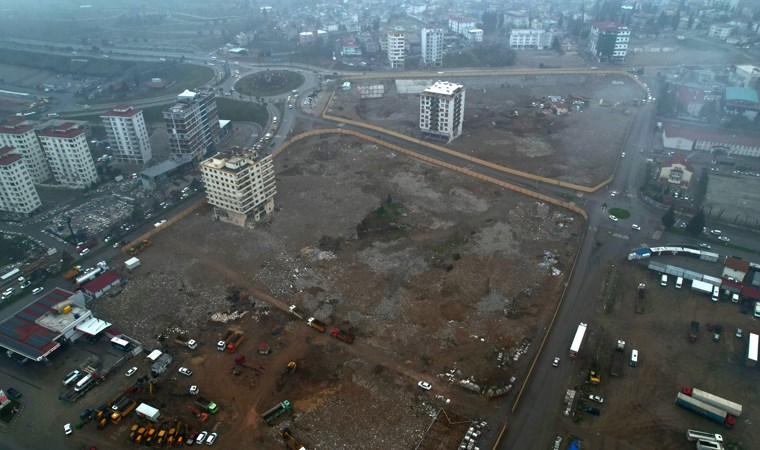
(694, 226)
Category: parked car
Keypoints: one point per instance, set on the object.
(37, 290)
(201, 437)
(595, 398)
(84, 252)
(592, 410)
(723, 238)
(131, 371)
(739, 333)
(211, 438)
(636, 227)
(185, 371)
(425, 385)
(613, 218)
(555, 363)
(703, 245)
(67, 429)
(14, 393)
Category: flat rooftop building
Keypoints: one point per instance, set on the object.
(442, 110)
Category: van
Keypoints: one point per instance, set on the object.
(634, 358)
(83, 383)
(716, 293)
(274, 119)
(679, 282)
(757, 309)
(735, 298)
(70, 377)
(664, 280)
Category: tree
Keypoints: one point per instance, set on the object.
(669, 219)
(690, 24)
(561, 21)
(557, 45)
(696, 224)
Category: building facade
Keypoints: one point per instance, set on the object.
(66, 149)
(432, 47)
(528, 39)
(128, 135)
(17, 192)
(396, 43)
(721, 32)
(192, 124)
(474, 35)
(460, 25)
(20, 134)
(241, 187)
(608, 42)
(745, 75)
(442, 110)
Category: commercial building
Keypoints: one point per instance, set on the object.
(741, 101)
(240, 187)
(710, 140)
(432, 46)
(676, 171)
(529, 39)
(442, 110)
(20, 134)
(743, 75)
(192, 124)
(396, 43)
(17, 192)
(608, 42)
(127, 134)
(67, 152)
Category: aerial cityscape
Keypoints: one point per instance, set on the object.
(379, 224)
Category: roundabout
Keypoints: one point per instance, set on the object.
(269, 83)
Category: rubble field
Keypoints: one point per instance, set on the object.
(503, 126)
(440, 277)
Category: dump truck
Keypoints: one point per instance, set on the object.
(207, 405)
(72, 273)
(694, 331)
(235, 342)
(222, 344)
(316, 324)
(618, 359)
(733, 408)
(123, 411)
(271, 415)
(696, 406)
(148, 412)
(186, 341)
(342, 335)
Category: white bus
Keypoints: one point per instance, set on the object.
(121, 344)
(10, 276)
(575, 347)
(694, 435)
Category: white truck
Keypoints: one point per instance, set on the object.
(580, 333)
(148, 412)
(701, 286)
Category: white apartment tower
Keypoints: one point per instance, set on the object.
(69, 156)
(127, 133)
(192, 124)
(17, 192)
(608, 42)
(19, 133)
(241, 187)
(442, 110)
(432, 46)
(396, 43)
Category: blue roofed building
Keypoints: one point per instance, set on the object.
(741, 100)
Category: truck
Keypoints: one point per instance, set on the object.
(123, 411)
(618, 359)
(702, 287)
(695, 435)
(88, 276)
(342, 335)
(752, 350)
(732, 408)
(273, 413)
(148, 412)
(694, 331)
(89, 244)
(316, 324)
(575, 346)
(710, 412)
(140, 246)
(222, 344)
(207, 405)
(294, 309)
(186, 341)
(235, 342)
(72, 273)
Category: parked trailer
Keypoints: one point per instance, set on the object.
(752, 350)
(703, 409)
(580, 333)
(316, 324)
(701, 286)
(733, 408)
(148, 412)
(694, 435)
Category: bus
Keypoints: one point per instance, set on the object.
(575, 347)
(694, 435)
(10, 276)
(121, 344)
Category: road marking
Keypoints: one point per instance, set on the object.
(624, 237)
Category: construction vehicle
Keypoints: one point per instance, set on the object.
(150, 435)
(694, 331)
(289, 369)
(342, 335)
(711, 412)
(186, 341)
(201, 416)
(207, 405)
(161, 435)
(72, 273)
(295, 311)
(222, 344)
(133, 432)
(102, 423)
(271, 415)
(141, 434)
(123, 411)
(290, 439)
(575, 346)
(235, 342)
(316, 324)
(618, 359)
(733, 408)
(140, 246)
(594, 377)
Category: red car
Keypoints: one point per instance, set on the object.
(191, 438)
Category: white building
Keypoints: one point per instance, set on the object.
(474, 35)
(442, 110)
(432, 47)
(721, 32)
(127, 134)
(608, 42)
(192, 124)
(396, 43)
(745, 75)
(460, 25)
(528, 39)
(69, 156)
(17, 192)
(517, 19)
(241, 188)
(19, 133)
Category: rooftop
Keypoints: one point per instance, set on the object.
(709, 135)
(737, 264)
(444, 88)
(100, 282)
(743, 95)
(122, 111)
(16, 126)
(65, 130)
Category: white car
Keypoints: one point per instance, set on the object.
(555, 363)
(131, 371)
(84, 252)
(636, 227)
(613, 218)
(211, 438)
(703, 245)
(622, 155)
(723, 238)
(595, 398)
(201, 437)
(36, 291)
(67, 429)
(613, 193)
(159, 223)
(425, 385)
(185, 371)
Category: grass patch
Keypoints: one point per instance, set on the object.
(464, 58)
(269, 82)
(238, 111)
(183, 76)
(610, 290)
(382, 222)
(620, 213)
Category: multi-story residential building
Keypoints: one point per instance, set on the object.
(719, 31)
(125, 127)
(460, 25)
(66, 149)
(350, 48)
(396, 43)
(19, 133)
(17, 192)
(724, 5)
(528, 39)
(744, 75)
(608, 42)
(192, 124)
(517, 19)
(474, 35)
(241, 187)
(442, 110)
(432, 46)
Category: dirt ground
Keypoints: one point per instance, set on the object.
(639, 409)
(447, 275)
(580, 147)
